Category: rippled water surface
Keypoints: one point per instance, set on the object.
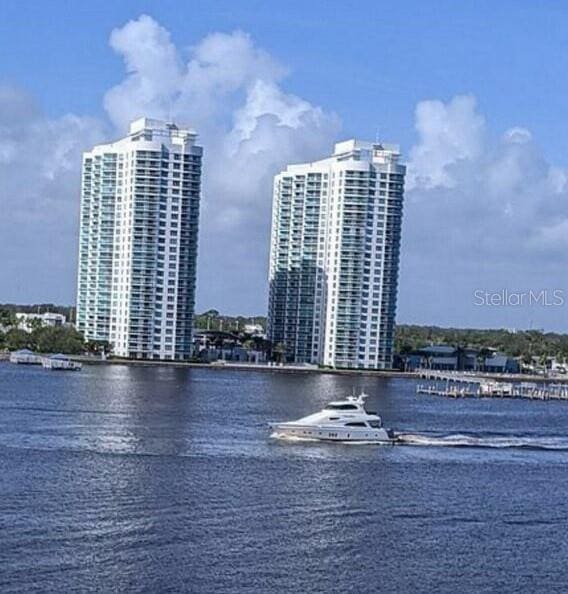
(160, 479)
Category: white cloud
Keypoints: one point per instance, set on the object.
(200, 90)
(553, 237)
(225, 87)
(154, 72)
(230, 91)
(448, 133)
(517, 135)
(39, 196)
(479, 213)
(270, 130)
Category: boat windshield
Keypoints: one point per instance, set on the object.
(376, 424)
(341, 407)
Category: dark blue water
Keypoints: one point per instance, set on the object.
(155, 479)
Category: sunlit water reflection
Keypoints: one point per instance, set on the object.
(127, 478)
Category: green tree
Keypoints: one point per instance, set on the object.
(98, 346)
(58, 339)
(279, 352)
(7, 318)
(16, 339)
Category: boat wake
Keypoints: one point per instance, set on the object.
(460, 440)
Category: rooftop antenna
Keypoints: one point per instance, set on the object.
(377, 138)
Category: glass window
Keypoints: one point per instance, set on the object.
(341, 407)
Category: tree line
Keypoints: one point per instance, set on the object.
(408, 338)
(213, 320)
(523, 344)
(42, 339)
(47, 339)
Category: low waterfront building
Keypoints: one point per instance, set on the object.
(499, 363)
(27, 321)
(254, 330)
(439, 357)
(448, 358)
(556, 366)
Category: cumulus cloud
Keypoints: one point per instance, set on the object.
(231, 92)
(480, 214)
(449, 135)
(203, 89)
(153, 72)
(270, 130)
(39, 187)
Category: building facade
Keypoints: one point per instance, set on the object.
(138, 241)
(334, 256)
(27, 321)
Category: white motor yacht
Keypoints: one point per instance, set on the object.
(341, 420)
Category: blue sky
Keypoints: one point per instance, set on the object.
(367, 66)
(371, 62)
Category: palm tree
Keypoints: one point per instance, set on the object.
(482, 355)
(279, 351)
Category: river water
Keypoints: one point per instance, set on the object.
(162, 479)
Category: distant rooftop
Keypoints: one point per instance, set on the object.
(353, 145)
(147, 128)
(380, 153)
(155, 124)
(152, 130)
(438, 349)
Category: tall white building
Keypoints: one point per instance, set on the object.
(138, 241)
(334, 257)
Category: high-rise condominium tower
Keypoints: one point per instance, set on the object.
(334, 256)
(138, 241)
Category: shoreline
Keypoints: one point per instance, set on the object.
(300, 369)
(244, 367)
(262, 367)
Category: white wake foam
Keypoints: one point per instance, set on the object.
(489, 441)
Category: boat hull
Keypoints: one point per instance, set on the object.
(322, 433)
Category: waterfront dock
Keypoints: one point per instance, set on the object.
(60, 363)
(464, 385)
